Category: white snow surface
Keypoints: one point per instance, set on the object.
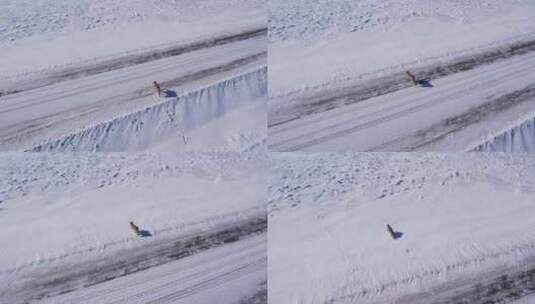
(316, 43)
(78, 206)
(518, 139)
(46, 46)
(460, 215)
(526, 300)
(195, 121)
(226, 274)
(75, 32)
(459, 113)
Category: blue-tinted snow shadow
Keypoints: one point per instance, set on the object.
(144, 233)
(425, 83)
(169, 93)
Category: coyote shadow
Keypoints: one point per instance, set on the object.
(397, 235)
(169, 93)
(144, 233)
(424, 83)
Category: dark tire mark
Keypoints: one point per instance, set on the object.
(261, 297)
(37, 126)
(3, 93)
(67, 279)
(143, 92)
(504, 288)
(211, 71)
(131, 60)
(331, 99)
(441, 130)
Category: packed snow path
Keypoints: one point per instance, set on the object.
(31, 117)
(66, 217)
(499, 286)
(455, 113)
(465, 223)
(226, 274)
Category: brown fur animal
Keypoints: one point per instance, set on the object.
(391, 231)
(134, 228)
(158, 88)
(412, 77)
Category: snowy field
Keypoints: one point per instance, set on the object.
(460, 112)
(68, 67)
(464, 225)
(316, 42)
(65, 222)
(337, 74)
(77, 32)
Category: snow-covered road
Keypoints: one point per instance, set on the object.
(226, 274)
(32, 117)
(499, 286)
(455, 113)
(64, 220)
(463, 220)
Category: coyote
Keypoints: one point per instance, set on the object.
(158, 89)
(391, 231)
(134, 228)
(412, 78)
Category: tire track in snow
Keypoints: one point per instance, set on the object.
(328, 100)
(495, 289)
(212, 282)
(422, 102)
(144, 57)
(204, 276)
(454, 124)
(488, 288)
(47, 121)
(63, 281)
(153, 70)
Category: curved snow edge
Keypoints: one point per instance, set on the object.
(520, 138)
(144, 128)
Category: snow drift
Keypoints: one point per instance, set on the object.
(66, 214)
(168, 120)
(519, 139)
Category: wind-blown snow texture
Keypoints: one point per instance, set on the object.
(170, 120)
(315, 20)
(29, 18)
(72, 33)
(57, 206)
(317, 43)
(459, 215)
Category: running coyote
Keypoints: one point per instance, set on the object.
(391, 231)
(412, 77)
(134, 228)
(158, 89)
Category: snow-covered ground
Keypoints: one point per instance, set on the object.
(193, 121)
(228, 274)
(62, 215)
(516, 139)
(463, 220)
(78, 32)
(315, 42)
(333, 57)
(68, 66)
(527, 300)
(460, 112)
